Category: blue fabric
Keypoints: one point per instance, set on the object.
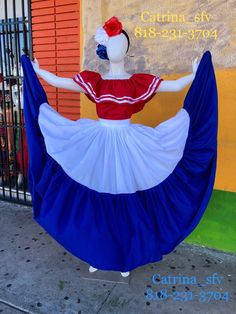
(124, 231)
(101, 51)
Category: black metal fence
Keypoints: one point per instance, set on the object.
(15, 40)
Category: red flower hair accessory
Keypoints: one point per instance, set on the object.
(111, 27)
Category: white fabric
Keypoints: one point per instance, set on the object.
(101, 36)
(114, 156)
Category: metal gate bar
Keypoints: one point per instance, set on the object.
(15, 40)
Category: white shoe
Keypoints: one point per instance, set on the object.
(125, 274)
(92, 269)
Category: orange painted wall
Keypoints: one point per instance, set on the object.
(56, 44)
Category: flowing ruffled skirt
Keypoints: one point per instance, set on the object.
(117, 194)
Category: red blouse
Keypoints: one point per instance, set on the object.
(118, 98)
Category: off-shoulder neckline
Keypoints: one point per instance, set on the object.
(127, 79)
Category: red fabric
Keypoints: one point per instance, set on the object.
(23, 150)
(118, 99)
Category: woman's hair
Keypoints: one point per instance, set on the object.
(101, 50)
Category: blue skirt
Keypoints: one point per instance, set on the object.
(120, 224)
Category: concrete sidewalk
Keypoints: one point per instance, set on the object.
(37, 275)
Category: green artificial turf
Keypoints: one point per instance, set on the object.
(217, 228)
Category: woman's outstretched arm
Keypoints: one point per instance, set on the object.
(179, 84)
(57, 81)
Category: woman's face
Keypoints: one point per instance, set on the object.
(117, 47)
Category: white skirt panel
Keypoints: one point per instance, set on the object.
(114, 156)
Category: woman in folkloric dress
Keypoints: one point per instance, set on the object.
(117, 194)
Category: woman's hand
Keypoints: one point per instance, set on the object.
(35, 65)
(195, 65)
(57, 81)
(179, 84)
